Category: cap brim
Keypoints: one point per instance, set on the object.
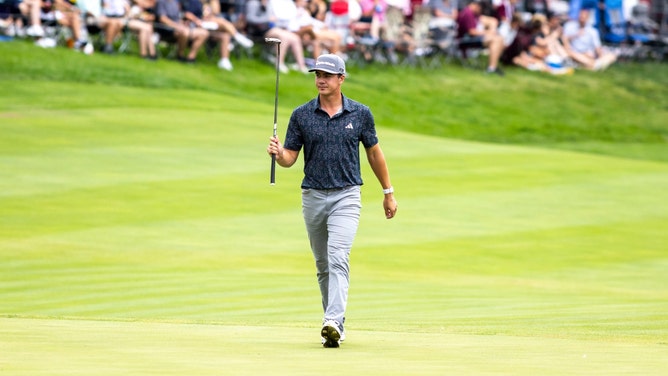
(325, 70)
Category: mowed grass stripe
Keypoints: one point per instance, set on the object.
(141, 202)
(117, 200)
(151, 293)
(533, 253)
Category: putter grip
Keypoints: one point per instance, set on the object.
(272, 178)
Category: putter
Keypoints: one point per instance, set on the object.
(277, 42)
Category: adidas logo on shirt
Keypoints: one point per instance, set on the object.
(349, 126)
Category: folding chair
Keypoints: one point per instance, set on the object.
(425, 46)
(615, 30)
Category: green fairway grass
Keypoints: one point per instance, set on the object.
(139, 234)
(104, 348)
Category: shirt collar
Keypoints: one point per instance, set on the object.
(346, 106)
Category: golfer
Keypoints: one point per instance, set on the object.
(330, 128)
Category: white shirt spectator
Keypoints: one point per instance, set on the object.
(114, 8)
(285, 14)
(586, 40)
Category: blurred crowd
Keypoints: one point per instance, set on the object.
(552, 36)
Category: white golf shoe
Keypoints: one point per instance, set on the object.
(332, 333)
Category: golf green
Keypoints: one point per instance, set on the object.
(141, 236)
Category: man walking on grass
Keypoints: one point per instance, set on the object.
(330, 129)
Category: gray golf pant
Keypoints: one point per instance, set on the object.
(332, 217)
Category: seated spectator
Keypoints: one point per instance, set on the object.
(315, 32)
(201, 16)
(144, 11)
(318, 9)
(516, 52)
(444, 13)
(168, 13)
(284, 14)
(231, 10)
(368, 28)
(212, 13)
(106, 16)
(69, 15)
(582, 42)
(262, 22)
(556, 32)
(14, 11)
(193, 14)
(539, 46)
(339, 18)
(373, 13)
(477, 31)
(116, 15)
(504, 14)
(544, 49)
(443, 24)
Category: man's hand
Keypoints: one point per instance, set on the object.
(275, 148)
(390, 206)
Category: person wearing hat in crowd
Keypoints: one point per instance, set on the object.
(329, 128)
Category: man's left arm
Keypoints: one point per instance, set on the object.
(377, 162)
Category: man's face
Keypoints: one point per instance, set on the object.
(328, 83)
(583, 16)
(475, 8)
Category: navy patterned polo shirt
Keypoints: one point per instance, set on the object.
(331, 145)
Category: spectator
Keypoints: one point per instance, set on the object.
(368, 28)
(193, 14)
(340, 18)
(551, 33)
(539, 47)
(199, 15)
(582, 42)
(31, 9)
(318, 9)
(444, 13)
(443, 22)
(316, 32)
(517, 51)
(544, 47)
(69, 15)
(262, 22)
(168, 13)
(231, 10)
(144, 11)
(373, 13)
(117, 14)
(284, 14)
(107, 16)
(504, 14)
(475, 30)
(212, 13)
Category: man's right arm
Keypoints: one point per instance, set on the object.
(288, 157)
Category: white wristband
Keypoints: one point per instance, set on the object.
(388, 191)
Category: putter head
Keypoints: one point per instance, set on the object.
(272, 40)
